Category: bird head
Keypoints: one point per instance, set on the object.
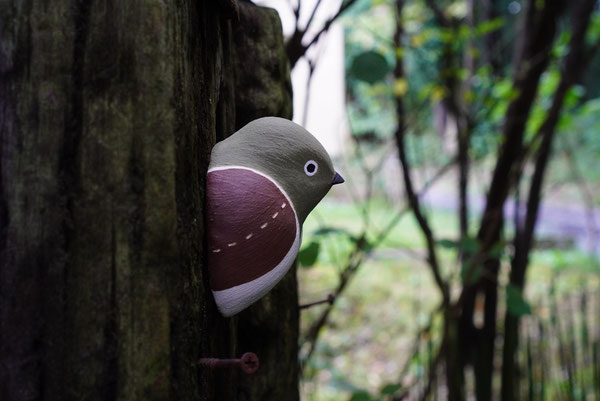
(287, 153)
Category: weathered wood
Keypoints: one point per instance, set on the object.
(108, 112)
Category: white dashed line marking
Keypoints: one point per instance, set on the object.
(216, 250)
(282, 205)
(275, 215)
(232, 244)
(264, 225)
(249, 236)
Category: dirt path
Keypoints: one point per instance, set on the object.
(556, 222)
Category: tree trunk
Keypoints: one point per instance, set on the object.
(108, 113)
(531, 59)
(573, 67)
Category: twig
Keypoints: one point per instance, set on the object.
(295, 48)
(415, 206)
(330, 21)
(328, 300)
(312, 15)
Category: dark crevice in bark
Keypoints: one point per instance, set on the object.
(68, 169)
(69, 156)
(69, 187)
(137, 213)
(4, 139)
(110, 378)
(7, 126)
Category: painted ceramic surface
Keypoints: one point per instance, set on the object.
(248, 214)
(262, 183)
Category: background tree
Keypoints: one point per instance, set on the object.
(510, 79)
(476, 345)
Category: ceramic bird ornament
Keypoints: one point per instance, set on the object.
(262, 183)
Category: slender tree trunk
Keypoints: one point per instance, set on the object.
(455, 378)
(539, 27)
(108, 113)
(574, 65)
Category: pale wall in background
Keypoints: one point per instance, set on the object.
(325, 116)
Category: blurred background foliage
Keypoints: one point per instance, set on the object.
(386, 331)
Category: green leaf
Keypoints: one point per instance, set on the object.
(593, 32)
(370, 66)
(390, 389)
(360, 395)
(573, 96)
(331, 230)
(447, 243)
(469, 245)
(515, 302)
(504, 90)
(489, 26)
(309, 254)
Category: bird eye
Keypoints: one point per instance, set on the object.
(311, 167)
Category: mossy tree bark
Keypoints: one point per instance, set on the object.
(108, 113)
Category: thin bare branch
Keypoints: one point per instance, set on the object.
(295, 47)
(330, 21)
(328, 300)
(312, 15)
(411, 196)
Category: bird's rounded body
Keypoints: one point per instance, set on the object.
(253, 235)
(262, 182)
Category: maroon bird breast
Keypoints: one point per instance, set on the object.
(251, 226)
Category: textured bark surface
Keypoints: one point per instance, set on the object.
(262, 73)
(108, 112)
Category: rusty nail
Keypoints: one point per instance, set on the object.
(330, 298)
(248, 363)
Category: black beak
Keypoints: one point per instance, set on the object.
(337, 179)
